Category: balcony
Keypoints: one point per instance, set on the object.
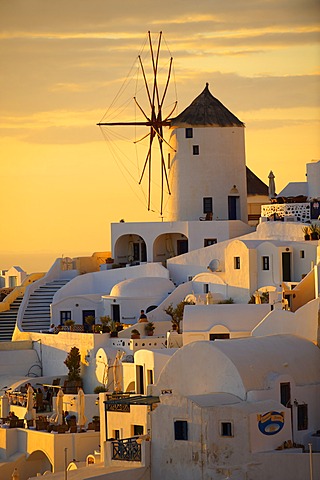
(294, 212)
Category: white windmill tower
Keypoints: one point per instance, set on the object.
(207, 173)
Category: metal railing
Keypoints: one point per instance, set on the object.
(127, 449)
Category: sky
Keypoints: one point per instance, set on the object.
(63, 64)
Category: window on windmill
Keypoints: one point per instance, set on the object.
(181, 430)
(207, 204)
(169, 161)
(226, 429)
(236, 261)
(265, 263)
(189, 132)
(195, 149)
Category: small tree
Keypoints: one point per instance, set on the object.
(73, 364)
(176, 313)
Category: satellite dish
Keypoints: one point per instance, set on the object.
(214, 265)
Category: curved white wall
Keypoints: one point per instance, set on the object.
(219, 166)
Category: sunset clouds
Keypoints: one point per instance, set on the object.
(63, 62)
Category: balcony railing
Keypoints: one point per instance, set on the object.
(127, 449)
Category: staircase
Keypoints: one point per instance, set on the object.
(36, 316)
(8, 320)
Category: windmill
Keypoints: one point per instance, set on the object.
(154, 119)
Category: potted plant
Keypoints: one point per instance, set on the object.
(314, 231)
(119, 326)
(113, 329)
(73, 364)
(97, 328)
(306, 232)
(149, 328)
(89, 320)
(135, 333)
(69, 323)
(105, 321)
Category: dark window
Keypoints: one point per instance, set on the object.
(207, 204)
(116, 434)
(301, 253)
(143, 252)
(189, 133)
(169, 161)
(236, 263)
(205, 288)
(137, 430)
(265, 263)
(226, 429)
(140, 379)
(219, 336)
(181, 430)
(286, 266)
(285, 394)
(182, 247)
(195, 149)
(209, 241)
(66, 315)
(302, 412)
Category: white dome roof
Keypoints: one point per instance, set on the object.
(142, 287)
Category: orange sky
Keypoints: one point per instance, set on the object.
(62, 64)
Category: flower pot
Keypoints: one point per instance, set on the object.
(113, 334)
(314, 236)
(135, 336)
(150, 333)
(307, 237)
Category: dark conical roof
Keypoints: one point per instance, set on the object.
(206, 110)
(255, 186)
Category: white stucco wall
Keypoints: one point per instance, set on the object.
(103, 281)
(237, 320)
(303, 322)
(219, 166)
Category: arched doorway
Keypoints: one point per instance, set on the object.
(130, 249)
(169, 245)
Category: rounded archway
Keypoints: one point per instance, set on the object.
(169, 245)
(130, 249)
(37, 462)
